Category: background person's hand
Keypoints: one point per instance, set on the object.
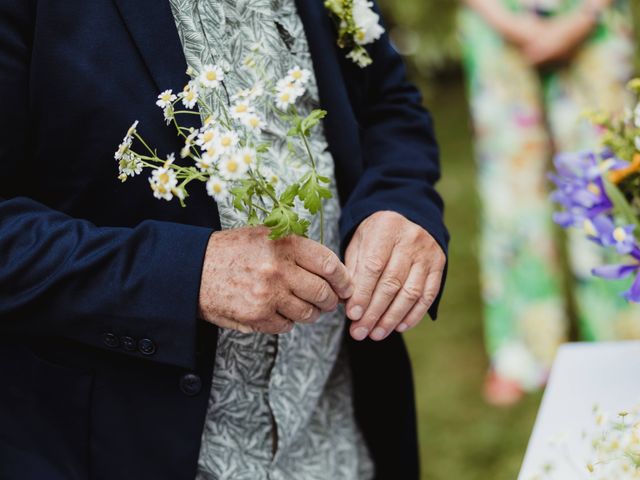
(397, 270)
(253, 284)
(560, 38)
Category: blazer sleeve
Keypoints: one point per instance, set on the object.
(400, 152)
(65, 277)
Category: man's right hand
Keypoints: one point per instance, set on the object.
(253, 284)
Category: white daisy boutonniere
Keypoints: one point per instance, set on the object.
(358, 25)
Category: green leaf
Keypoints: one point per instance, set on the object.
(289, 195)
(263, 148)
(284, 221)
(243, 194)
(310, 121)
(312, 193)
(253, 219)
(620, 204)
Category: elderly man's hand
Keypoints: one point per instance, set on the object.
(253, 284)
(397, 269)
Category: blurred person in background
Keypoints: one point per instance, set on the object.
(533, 68)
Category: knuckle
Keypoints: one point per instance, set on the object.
(427, 299)
(260, 290)
(370, 319)
(373, 265)
(390, 285)
(323, 292)
(330, 264)
(411, 293)
(268, 269)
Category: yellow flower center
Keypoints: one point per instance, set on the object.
(166, 97)
(589, 229)
(226, 141)
(360, 35)
(242, 108)
(217, 188)
(593, 188)
(232, 166)
(297, 74)
(619, 234)
(285, 97)
(208, 136)
(254, 122)
(212, 76)
(247, 158)
(164, 178)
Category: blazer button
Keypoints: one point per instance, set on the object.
(190, 384)
(110, 340)
(128, 343)
(146, 347)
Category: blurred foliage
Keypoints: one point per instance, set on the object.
(425, 32)
(461, 436)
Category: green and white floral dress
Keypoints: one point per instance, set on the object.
(521, 116)
(280, 405)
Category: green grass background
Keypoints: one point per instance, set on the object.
(462, 438)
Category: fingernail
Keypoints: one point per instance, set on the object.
(378, 333)
(356, 312)
(360, 333)
(402, 327)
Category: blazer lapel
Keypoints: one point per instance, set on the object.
(154, 32)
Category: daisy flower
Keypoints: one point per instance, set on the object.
(217, 188)
(284, 100)
(132, 130)
(189, 95)
(163, 182)
(241, 109)
(211, 76)
(247, 156)
(227, 140)
(288, 85)
(207, 137)
(287, 92)
(270, 176)
(188, 143)
(129, 165)
(166, 99)
(168, 112)
(207, 159)
(300, 75)
(124, 147)
(253, 122)
(232, 167)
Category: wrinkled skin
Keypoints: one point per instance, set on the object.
(253, 284)
(397, 270)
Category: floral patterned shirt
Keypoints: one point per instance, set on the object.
(280, 405)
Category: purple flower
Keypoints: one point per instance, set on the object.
(617, 272)
(604, 232)
(580, 188)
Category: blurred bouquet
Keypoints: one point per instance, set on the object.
(612, 449)
(599, 192)
(225, 152)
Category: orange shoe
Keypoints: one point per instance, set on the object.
(500, 391)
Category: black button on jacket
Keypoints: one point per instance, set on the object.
(82, 255)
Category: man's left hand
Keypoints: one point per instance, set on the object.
(397, 269)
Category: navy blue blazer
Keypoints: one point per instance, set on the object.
(104, 366)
